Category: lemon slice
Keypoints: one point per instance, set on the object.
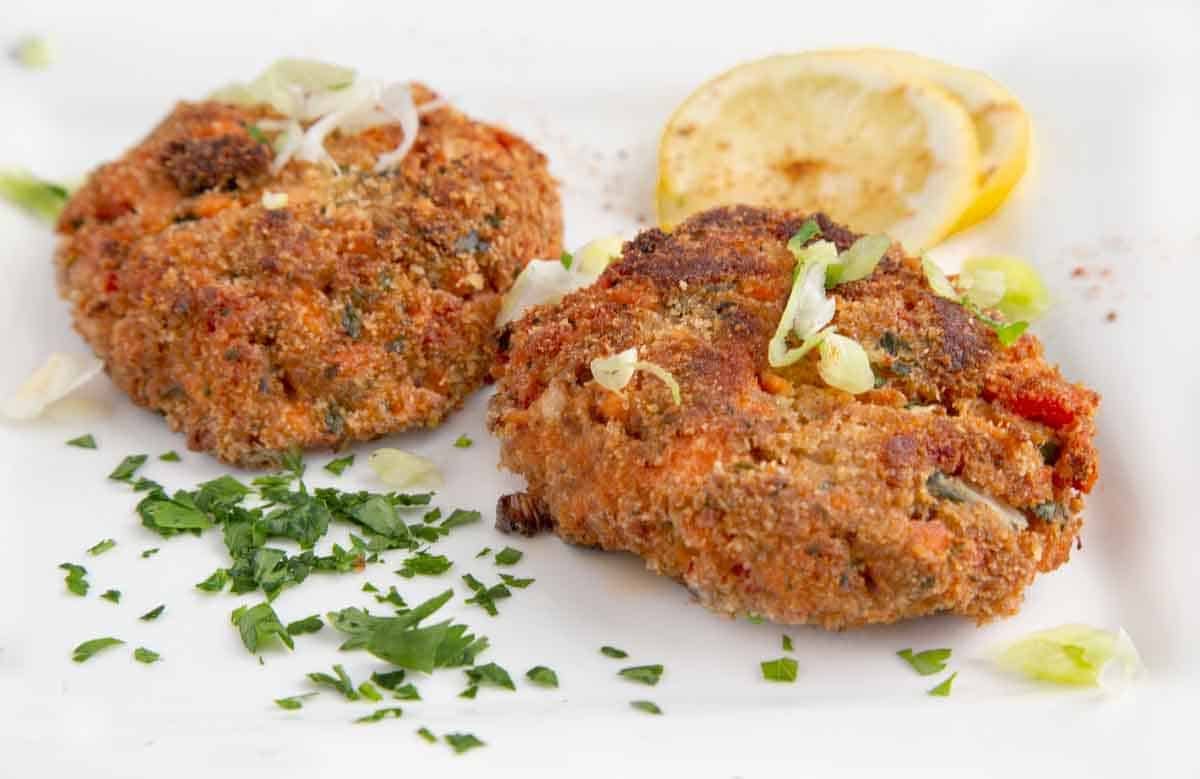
(1001, 124)
(823, 131)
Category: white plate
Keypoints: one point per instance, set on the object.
(1112, 92)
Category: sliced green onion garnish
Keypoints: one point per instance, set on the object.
(984, 288)
(1076, 655)
(938, 281)
(859, 260)
(1024, 296)
(398, 468)
(614, 373)
(844, 364)
(593, 257)
(34, 52)
(808, 309)
(43, 199)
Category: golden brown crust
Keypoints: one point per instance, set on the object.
(363, 307)
(767, 491)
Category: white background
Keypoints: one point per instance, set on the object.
(1116, 108)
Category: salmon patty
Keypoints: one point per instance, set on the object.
(360, 304)
(946, 488)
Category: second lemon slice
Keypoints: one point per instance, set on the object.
(823, 132)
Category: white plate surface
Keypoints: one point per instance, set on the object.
(1108, 212)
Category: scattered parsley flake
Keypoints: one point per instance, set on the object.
(402, 641)
(338, 466)
(490, 674)
(76, 583)
(566, 258)
(424, 564)
(368, 587)
(463, 441)
(647, 706)
(393, 597)
(388, 680)
(781, 670)
(461, 742)
(459, 517)
(543, 676)
(112, 595)
(485, 597)
(87, 649)
(341, 682)
(128, 467)
(153, 613)
(943, 689)
(147, 656)
(926, 663)
(150, 552)
(257, 625)
(170, 457)
(311, 624)
(470, 692)
(101, 547)
(395, 712)
(646, 674)
(368, 691)
(513, 581)
(755, 619)
(294, 702)
(256, 134)
(509, 556)
(406, 692)
(83, 442)
(612, 651)
(215, 582)
(427, 734)
(787, 643)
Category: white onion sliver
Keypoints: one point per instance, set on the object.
(398, 468)
(614, 373)
(844, 364)
(61, 375)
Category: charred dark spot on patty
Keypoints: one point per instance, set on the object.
(196, 165)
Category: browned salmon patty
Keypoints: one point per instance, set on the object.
(363, 306)
(766, 491)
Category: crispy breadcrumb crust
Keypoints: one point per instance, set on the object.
(362, 307)
(768, 492)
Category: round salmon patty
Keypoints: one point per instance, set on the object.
(361, 306)
(946, 488)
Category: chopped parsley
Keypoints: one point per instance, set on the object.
(542, 676)
(406, 692)
(215, 582)
(943, 689)
(470, 692)
(307, 625)
(258, 625)
(75, 578)
(490, 675)
(368, 587)
(340, 682)
(427, 734)
(153, 613)
(43, 199)
(112, 595)
(388, 680)
(395, 712)
(566, 258)
(459, 517)
(169, 457)
(393, 597)
(150, 552)
(294, 702)
(101, 547)
(926, 663)
(487, 550)
(787, 643)
(461, 742)
(147, 656)
(780, 670)
(87, 649)
(649, 707)
(509, 556)
(612, 651)
(256, 134)
(83, 442)
(463, 441)
(368, 691)
(128, 467)
(646, 674)
(338, 466)
(513, 581)
(485, 597)
(402, 641)
(424, 564)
